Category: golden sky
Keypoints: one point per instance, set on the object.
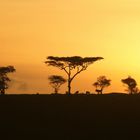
(31, 30)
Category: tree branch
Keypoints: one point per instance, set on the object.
(65, 70)
(78, 71)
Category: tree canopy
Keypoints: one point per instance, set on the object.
(68, 64)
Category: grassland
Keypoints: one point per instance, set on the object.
(64, 117)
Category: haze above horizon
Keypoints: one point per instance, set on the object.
(34, 29)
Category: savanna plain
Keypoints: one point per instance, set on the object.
(69, 117)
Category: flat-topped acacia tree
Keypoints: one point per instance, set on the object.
(71, 65)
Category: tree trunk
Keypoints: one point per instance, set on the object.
(69, 82)
(56, 91)
(131, 91)
(69, 87)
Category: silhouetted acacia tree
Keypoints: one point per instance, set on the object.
(131, 85)
(4, 79)
(75, 64)
(101, 83)
(56, 81)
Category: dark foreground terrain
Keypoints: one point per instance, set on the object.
(63, 117)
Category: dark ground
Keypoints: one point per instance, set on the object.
(63, 117)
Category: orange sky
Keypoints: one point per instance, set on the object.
(31, 30)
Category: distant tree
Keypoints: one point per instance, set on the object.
(131, 85)
(75, 64)
(56, 81)
(101, 83)
(4, 79)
